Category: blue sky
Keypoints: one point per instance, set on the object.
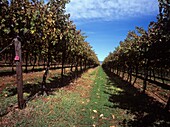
(107, 22)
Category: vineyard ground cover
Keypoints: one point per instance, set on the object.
(97, 98)
(147, 111)
(156, 89)
(58, 109)
(7, 79)
(32, 86)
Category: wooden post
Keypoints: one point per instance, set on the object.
(18, 59)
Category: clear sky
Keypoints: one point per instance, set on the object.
(107, 22)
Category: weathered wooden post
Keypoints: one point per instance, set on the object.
(18, 59)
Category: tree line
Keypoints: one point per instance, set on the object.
(145, 54)
(47, 34)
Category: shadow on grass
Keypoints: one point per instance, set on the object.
(53, 84)
(146, 110)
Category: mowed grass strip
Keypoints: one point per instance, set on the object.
(100, 112)
(8, 88)
(63, 108)
(83, 103)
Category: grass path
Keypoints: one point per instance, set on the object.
(62, 108)
(94, 100)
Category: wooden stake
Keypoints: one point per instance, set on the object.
(18, 59)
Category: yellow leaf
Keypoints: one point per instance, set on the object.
(101, 115)
(32, 31)
(113, 117)
(95, 111)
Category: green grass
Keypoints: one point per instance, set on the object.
(71, 109)
(8, 97)
(99, 110)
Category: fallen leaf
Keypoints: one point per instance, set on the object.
(95, 111)
(113, 117)
(101, 115)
